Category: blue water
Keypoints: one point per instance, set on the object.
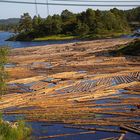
(46, 129)
(20, 44)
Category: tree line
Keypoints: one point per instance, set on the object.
(9, 24)
(89, 22)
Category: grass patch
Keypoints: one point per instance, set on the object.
(55, 37)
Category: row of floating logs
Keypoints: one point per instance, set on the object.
(135, 74)
(38, 85)
(89, 85)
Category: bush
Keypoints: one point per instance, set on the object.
(16, 131)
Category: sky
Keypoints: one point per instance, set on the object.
(16, 10)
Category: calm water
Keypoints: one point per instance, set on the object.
(47, 129)
(19, 44)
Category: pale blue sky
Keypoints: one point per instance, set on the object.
(15, 10)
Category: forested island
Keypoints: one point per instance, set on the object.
(90, 24)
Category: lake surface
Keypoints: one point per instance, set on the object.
(20, 44)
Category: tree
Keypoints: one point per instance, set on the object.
(48, 26)
(82, 29)
(56, 24)
(66, 15)
(35, 22)
(3, 75)
(25, 23)
(69, 22)
(91, 19)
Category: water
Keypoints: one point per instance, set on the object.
(20, 44)
(10, 65)
(46, 129)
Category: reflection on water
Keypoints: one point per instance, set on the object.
(20, 44)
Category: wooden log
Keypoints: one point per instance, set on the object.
(96, 129)
(122, 137)
(62, 135)
(133, 127)
(111, 138)
(130, 129)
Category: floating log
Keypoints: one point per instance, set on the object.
(62, 135)
(96, 129)
(130, 129)
(133, 127)
(121, 137)
(111, 138)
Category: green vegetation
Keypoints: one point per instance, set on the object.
(3, 75)
(55, 37)
(16, 131)
(89, 24)
(130, 49)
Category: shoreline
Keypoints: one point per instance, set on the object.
(62, 37)
(25, 44)
(76, 43)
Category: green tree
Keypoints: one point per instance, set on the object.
(82, 29)
(69, 22)
(91, 19)
(56, 24)
(25, 23)
(48, 26)
(3, 74)
(35, 22)
(66, 15)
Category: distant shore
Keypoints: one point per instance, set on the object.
(62, 37)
